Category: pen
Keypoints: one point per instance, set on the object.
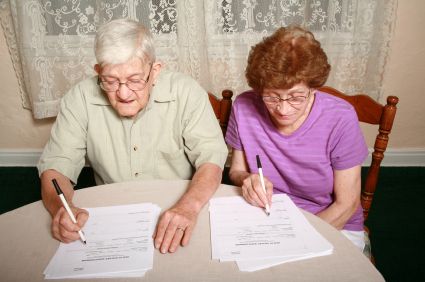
(67, 208)
(260, 171)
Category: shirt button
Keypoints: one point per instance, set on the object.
(135, 148)
(137, 174)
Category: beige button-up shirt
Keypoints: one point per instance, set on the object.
(172, 136)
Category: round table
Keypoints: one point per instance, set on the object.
(27, 245)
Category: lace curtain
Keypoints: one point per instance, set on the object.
(51, 42)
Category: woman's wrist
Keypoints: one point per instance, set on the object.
(237, 177)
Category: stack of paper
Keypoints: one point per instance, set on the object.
(245, 234)
(119, 244)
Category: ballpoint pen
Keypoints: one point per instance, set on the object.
(260, 171)
(65, 203)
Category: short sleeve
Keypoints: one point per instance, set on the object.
(66, 147)
(348, 144)
(202, 135)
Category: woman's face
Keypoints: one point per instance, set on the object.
(285, 116)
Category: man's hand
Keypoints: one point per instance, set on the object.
(177, 224)
(253, 190)
(64, 229)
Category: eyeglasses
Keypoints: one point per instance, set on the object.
(134, 84)
(296, 100)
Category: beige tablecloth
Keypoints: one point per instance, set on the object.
(26, 243)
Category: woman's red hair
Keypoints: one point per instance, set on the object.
(288, 57)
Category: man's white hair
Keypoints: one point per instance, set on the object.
(121, 40)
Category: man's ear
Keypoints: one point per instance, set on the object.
(97, 68)
(156, 67)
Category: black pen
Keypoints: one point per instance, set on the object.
(260, 171)
(65, 203)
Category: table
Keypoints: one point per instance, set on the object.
(27, 246)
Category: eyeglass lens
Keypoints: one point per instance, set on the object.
(275, 100)
(115, 85)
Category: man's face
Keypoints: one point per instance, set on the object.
(129, 102)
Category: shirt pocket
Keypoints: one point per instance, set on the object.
(174, 165)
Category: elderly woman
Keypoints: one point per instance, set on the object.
(310, 143)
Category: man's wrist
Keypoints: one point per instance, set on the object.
(192, 204)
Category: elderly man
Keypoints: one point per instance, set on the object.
(134, 122)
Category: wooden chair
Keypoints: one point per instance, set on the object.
(222, 108)
(371, 112)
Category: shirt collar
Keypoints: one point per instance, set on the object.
(161, 91)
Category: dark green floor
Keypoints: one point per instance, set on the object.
(396, 220)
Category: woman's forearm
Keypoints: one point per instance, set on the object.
(347, 197)
(338, 214)
(237, 177)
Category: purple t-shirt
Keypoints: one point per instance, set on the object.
(301, 164)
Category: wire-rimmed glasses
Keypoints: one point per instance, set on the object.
(274, 100)
(133, 84)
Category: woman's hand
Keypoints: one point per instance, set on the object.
(251, 184)
(253, 190)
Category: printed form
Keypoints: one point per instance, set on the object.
(119, 244)
(244, 233)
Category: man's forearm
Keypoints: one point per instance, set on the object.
(204, 183)
(50, 197)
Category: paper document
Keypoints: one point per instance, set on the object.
(119, 244)
(245, 234)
